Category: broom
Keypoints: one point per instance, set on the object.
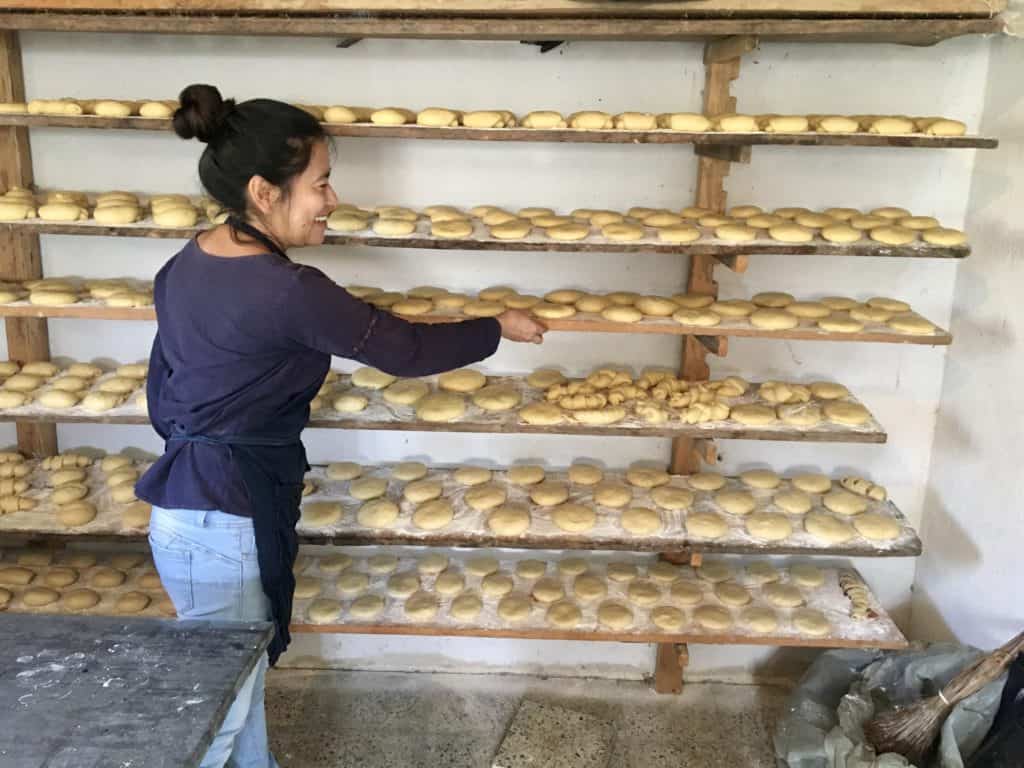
(911, 731)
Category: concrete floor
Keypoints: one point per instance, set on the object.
(397, 720)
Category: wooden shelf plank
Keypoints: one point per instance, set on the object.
(368, 130)
(380, 415)
(910, 31)
(583, 322)
(482, 241)
(876, 630)
(469, 527)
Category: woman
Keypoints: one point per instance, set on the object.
(243, 344)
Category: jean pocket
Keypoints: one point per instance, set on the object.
(173, 560)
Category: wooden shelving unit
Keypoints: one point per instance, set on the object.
(730, 28)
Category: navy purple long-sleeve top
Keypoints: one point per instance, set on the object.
(242, 347)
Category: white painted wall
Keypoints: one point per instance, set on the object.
(901, 384)
(967, 583)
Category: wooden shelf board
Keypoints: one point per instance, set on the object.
(368, 130)
(583, 323)
(469, 527)
(593, 244)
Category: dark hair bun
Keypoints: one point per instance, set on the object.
(202, 113)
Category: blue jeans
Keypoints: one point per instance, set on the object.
(207, 563)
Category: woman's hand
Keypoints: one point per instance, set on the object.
(517, 325)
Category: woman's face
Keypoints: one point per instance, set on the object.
(300, 218)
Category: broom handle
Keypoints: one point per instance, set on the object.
(999, 659)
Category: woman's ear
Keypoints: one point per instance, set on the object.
(262, 194)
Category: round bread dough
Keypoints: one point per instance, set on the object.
(548, 590)
(511, 228)
(843, 502)
(22, 382)
(801, 414)
(893, 235)
(307, 587)
(568, 231)
(57, 398)
(769, 526)
(585, 474)
(641, 521)
(753, 414)
(622, 572)
(575, 518)
(794, 502)
(461, 380)
(644, 477)
(687, 592)
(509, 520)
(791, 233)
(481, 566)
(759, 619)
(76, 514)
(622, 314)
(620, 231)
(592, 303)
(774, 319)
(806, 575)
(343, 470)
(483, 308)
(551, 311)
(449, 583)
(827, 528)
(433, 563)
(670, 497)
(323, 611)
(735, 233)
(772, 299)
(828, 390)
(643, 592)
(814, 310)
(39, 596)
(514, 608)
(702, 318)
(406, 392)
(783, 595)
(610, 494)
(668, 618)
(841, 412)
(367, 607)
(379, 513)
(910, 322)
(736, 502)
(80, 599)
(564, 614)
(761, 572)
(412, 306)
(409, 470)
(352, 582)
(403, 584)
(16, 576)
(542, 378)
(944, 236)
(433, 515)
(589, 588)
(350, 403)
(485, 497)
(107, 578)
(441, 407)
(760, 478)
(678, 234)
(496, 584)
(664, 571)
(60, 577)
(811, 622)
(371, 378)
(715, 571)
(366, 488)
(706, 525)
(615, 615)
(841, 233)
(388, 227)
(549, 493)
(466, 607)
(525, 474)
(706, 481)
(98, 402)
(875, 527)
(734, 308)
(319, 514)
(69, 493)
(420, 491)
(732, 594)
(470, 475)
(572, 566)
(10, 399)
(335, 563)
(544, 414)
(713, 617)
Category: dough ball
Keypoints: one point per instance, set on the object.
(406, 392)
(335, 563)
(366, 488)
(684, 121)
(69, 493)
(736, 502)
(943, 236)
(753, 414)
(706, 525)
(769, 526)
(466, 607)
(713, 617)
(350, 403)
(774, 319)
(610, 494)
(643, 592)
(875, 527)
(471, 475)
(343, 470)
(794, 502)
(791, 233)
(891, 126)
(600, 416)
(324, 611)
(408, 471)
(911, 323)
(699, 317)
(57, 398)
(136, 516)
(22, 382)
(60, 577)
(564, 614)
(668, 497)
(379, 513)
(497, 397)
(543, 119)
(483, 119)
(319, 514)
(680, 234)
(531, 569)
(420, 491)
(733, 308)
(371, 378)
(462, 380)
(367, 607)
(783, 595)
(449, 583)
(481, 566)
(841, 412)
(568, 232)
(107, 578)
(827, 528)
(441, 407)
(760, 478)
(801, 414)
(735, 233)
(496, 584)
(687, 592)
(574, 518)
(572, 566)
(845, 503)
(16, 576)
(644, 477)
(761, 572)
(806, 575)
(841, 233)
(76, 514)
(485, 497)
(37, 597)
(509, 520)
(589, 588)
(585, 474)
(540, 414)
(403, 584)
(307, 587)
(433, 515)
(736, 124)
(732, 594)
(543, 378)
(352, 582)
(641, 521)
(549, 493)
(80, 600)
(615, 615)
(759, 619)
(715, 571)
(551, 311)
(622, 572)
(706, 481)
(811, 622)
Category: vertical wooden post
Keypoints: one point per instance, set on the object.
(721, 67)
(27, 338)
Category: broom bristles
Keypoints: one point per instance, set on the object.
(908, 731)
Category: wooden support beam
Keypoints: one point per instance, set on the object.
(672, 659)
(716, 345)
(738, 263)
(27, 338)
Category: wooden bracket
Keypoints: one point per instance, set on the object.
(696, 559)
(706, 451)
(348, 42)
(729, 48)
(716, 345)
(739, 153)
(737, 263)
(672, 660)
